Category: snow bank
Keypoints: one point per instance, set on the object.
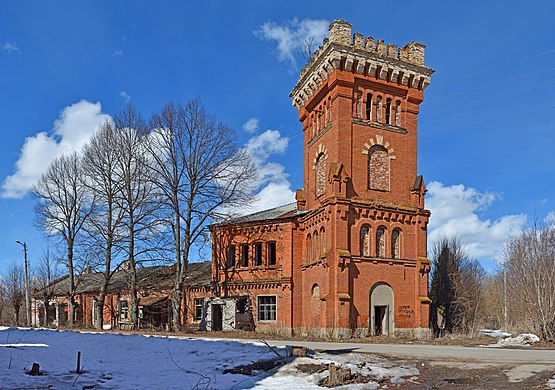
(521, 339)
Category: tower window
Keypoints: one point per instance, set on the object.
(398, 113)
(369, 106)
(388, 111)
(323, 240)
(309, 248)
(365, 241)
(316, 246)
(379, 109)
(320, 175)
(396, 244)
(380, 242)
(378, 168)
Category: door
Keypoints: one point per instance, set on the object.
(216, 317)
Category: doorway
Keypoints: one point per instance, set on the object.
(217, 316)
(381, 306)
(381, 320)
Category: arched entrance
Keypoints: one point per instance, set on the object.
(381, 310)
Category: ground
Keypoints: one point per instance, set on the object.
(126, 361)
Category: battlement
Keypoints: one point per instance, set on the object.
(353, 52)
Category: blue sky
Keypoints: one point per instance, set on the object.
(486, 127)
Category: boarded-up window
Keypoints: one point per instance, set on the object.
(378, 168)
(380, 242)
(231, 256)
(320, 175)
(365, 241)
(199, 302)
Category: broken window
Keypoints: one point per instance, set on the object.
(388, 111)
(380, 242)
(242, 305)
(244, 255)
(123, 310)
(267, 308)
(258, 254)
(271, 248)
(365, 241)
(396, 244)
(231, 256)
(199, 303)
(369, 106)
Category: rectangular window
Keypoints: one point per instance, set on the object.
(267, 308)
(231, 256)
(199, 303)
(271, 247)
(123, 310)
(258, 254)
(244, 255)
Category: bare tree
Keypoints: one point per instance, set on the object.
(46, 272)
(201, 173)
(309, 49)
(456, 288)
(14, 287)
(137, 196)
(530, 262)
(64, 205)
(104, 180)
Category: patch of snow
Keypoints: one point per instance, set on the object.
(521, 339)
(551, 383)
(498, 333)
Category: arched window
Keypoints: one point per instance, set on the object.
(309, 248)
(358, 105)
(369, 106)
(323, 240)
(396, 244)
(316, 246)
(398, 113)
(313, 126)
(325, 115)
(315, 291)
(388, 111)
(320, 175)
(329, 111)
(365, 241)
(379, 109)
(380, 242)
(378, 168)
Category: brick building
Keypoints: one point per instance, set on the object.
(349, 257)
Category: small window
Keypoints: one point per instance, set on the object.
(323, 240)
(379, 109)
(316, 246)
(244, 255)
(199, 303)
(309, 248)
(396, 244)
(369, 106)
(271, 248)
(398, 113)
(231, 256)
(380, 242)
(315, 291)
(258, 254)
(365, 241)
(388, 111)
(123, 310)
(267, 308)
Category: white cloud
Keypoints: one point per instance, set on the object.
(251, 125)
(274, 186)
(292, 35)
(455, 212)
(550, 218)
(71, 131)
(11, 47)
(125, 96)
(117, 53)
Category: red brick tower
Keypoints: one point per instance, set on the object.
(363, 261)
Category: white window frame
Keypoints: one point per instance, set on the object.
(258, 308)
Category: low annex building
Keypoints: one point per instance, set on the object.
(348, 258)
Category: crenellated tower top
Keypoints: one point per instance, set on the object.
(354, 53)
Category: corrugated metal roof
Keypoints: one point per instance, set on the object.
(280, 212)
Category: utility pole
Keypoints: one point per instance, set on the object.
(27, 294)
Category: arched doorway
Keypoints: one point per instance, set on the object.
(381, 310)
